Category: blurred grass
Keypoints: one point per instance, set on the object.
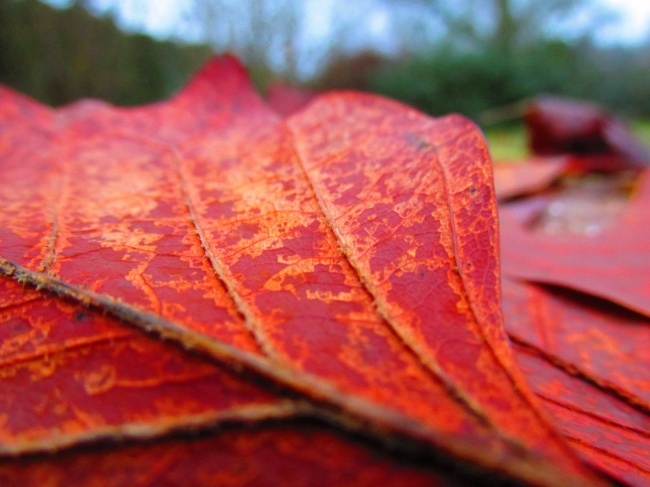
(509, 142)
(641, 129)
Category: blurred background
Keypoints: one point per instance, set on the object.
(482, 58)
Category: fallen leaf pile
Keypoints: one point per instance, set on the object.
(201, 292)
(575, 241)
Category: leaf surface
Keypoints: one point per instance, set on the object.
(285, 99)
(345, 259)
(583, 342)
(532, 175)
(301, 454)
(588, 360)
(612, 264)
(418, 225)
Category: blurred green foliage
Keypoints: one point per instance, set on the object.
(507, 143)
(58, 56)
(488, 85)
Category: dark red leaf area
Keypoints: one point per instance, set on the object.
(265, 455)
(561, 126)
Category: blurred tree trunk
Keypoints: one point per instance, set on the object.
(505, 32)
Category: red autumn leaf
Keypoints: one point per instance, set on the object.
(612, 264)
(529, 176)
(285, 99)
(345, 259)
(274, 454)
(590, 363)
(563, 126)
(586, 357)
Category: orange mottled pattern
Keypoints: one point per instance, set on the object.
(328, 285)
(68, 374)
(418, 225)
